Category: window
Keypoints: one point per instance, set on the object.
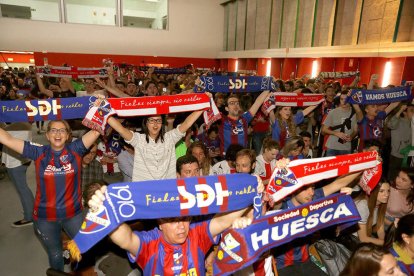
(98, 12)
(46, 10)
(152, 14)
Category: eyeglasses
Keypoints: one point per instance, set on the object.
(234, 103)
(58, 130)
(154, 121)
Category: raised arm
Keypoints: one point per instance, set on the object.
(118, 127)
(123, 236)
(258, 102)
(89, 138)
(11, 142)
(42, 87)
(223, 221)
(309, 110)
(391, 107)
(112, 89)
(339, 183)
(190, 120)
(358, 112)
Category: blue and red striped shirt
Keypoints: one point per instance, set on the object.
(158, 257)
(371, 129)
(58, 180)
(234, 131)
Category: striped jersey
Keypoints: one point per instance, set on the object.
(371, 129)
(158, 257)
(58, 180)
(234, 131)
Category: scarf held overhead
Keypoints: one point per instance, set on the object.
(300, 173)
(338, 75)
(166, 198)
(98, 115)
(76, 108)
(291, 99)
(226, 84)
(71, 72)
(380, 96)
(242, 247)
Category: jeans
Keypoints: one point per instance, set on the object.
(334, 152)
(18, 177)
(49, 234)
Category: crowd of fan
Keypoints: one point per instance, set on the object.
(329, 129)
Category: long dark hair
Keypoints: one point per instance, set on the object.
(146, 132)
(366, 260)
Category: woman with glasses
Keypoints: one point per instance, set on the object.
(58, 200)
(154, 150)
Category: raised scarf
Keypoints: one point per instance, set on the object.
(302, 172)
(291, 99)
(97, 116)
(77, 107)
(166, 198)
(226, 84)
(71, 72)
(380, 96)
(338, 75)
(242, 247)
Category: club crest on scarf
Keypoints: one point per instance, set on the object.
(95, 222)
(282, 178)
(357, 97)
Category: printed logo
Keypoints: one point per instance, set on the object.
(238, 84)
(43, 108)
(229, 245)
(204, 197)
(357, 97)
(95, 222)
(64, 158)
(236, 130)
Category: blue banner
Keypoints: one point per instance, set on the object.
(166, 198)
(240, 248)
(380, 96)
(226, 84)
(43, 110)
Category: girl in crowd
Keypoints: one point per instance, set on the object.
(266, 162)
(372, 211)
(371, 260)
(58, 201)
(284, 122)
(401, 201)
(154, 150)
(199, 151)
(403, 247)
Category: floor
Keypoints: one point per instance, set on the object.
(20, 251)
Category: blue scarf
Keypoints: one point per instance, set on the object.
(166, 198)
(380, 96)
(240, 248)
(227, 84)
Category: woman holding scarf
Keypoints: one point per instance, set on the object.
(154, 150)
(58, 200)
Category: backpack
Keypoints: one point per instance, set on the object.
(333, 255)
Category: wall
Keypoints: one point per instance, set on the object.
(185, 37)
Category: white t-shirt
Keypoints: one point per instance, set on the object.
(155, 160)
